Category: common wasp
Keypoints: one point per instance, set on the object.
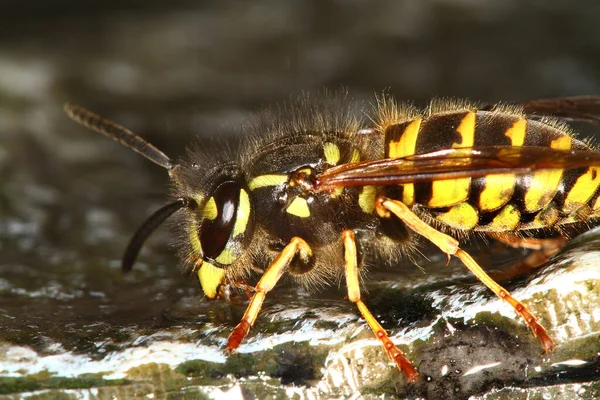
(318, 190)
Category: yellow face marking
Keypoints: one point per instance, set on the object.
(453, 191)
(226, 257)
(366, 199)
(497, 191)
(583, 189)
(461, 216)
(332, 153)
(544, 184)
(210, 278)
(243, 214)
(194, 240)
(210, 209)
(516, 133)
(267, 180)
(507, 219)
(299, 208)
(404, 147)
(355, 156)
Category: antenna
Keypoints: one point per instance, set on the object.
(95, 122)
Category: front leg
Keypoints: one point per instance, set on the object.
(296, 246)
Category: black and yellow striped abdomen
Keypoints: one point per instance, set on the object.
(501, 202)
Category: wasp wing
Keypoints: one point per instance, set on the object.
(578, 108)
(457, 163)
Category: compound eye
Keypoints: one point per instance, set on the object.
(225, 224)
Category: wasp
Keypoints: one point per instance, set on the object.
(318, 192)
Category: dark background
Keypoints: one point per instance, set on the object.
(172, 71)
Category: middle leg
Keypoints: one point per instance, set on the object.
(352, 282)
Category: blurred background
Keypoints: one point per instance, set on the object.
(179, 70)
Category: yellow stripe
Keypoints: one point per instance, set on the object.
(461, 216)
(453, 191)
(466, 130)
(355, 156)
(545, 218)
(408, 141)
(404, 147)
(299, 208)
(210, 278)
(544, 184)
(408, 194)
(497, 191)
(583, 189)
(332, 153)
(210, 209)
(562, 143)
(596, 204)
(516, 133)
(243, 214)
(366, 199)
(267, 180)
(449, 192)
(506, 220)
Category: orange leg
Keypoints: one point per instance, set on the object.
(543, 249)
(450, 246)
(297, 246)
(549, 246)
(352, 282)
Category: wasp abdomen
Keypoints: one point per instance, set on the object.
(500, 202)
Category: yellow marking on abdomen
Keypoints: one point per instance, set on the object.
(332, 153)
(461, 216)
(596, 205)
(210, 278)
(406, 146)
(407, 143)
(242, 215)
(506, 220)
(516, 133)
(466, 130)
(299, 208)
(583, 189)
(499, 188)
(267, 180)
(366, 199)
(497, 192)
(544, 184)
(453, 191)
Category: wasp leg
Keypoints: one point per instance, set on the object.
(350, 258)
(450, 246)
(543, 249)
(549, 246)
(296, 246)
